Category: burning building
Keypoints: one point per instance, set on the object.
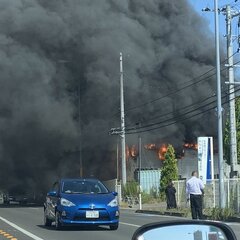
(59, 82)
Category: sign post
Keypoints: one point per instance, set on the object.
(205, 159)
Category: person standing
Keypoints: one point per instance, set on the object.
(170, 195)
(195, 190)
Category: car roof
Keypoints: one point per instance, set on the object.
(79, 179)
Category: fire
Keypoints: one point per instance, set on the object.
(161, 152)
(193, 146)
(133, 151)
(127, 152)
(151, 146)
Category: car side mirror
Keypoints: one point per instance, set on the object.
(115, 194)
(202, 230)
(52, 194)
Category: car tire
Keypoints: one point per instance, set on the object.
(114, 227)
(47, 221)
(58, 224)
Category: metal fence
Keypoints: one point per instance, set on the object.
(211, 193)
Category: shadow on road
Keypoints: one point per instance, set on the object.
(76, 228)
(20, 205)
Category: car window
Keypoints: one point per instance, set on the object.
(83, 187)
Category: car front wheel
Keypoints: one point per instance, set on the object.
(47, 221)
(58, 224)
(114, 227)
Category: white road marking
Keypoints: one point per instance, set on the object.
(130, 224)
(21, 229)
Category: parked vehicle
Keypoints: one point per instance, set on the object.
(81, 202)
(1, 198)
(21, 199)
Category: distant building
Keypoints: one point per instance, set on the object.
(197, 235)
(189, 163)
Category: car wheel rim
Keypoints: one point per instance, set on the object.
(45, 217)
(57, 220)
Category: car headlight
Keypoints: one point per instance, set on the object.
(113, 203)
(66, 203)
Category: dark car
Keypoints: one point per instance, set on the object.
(81, 202)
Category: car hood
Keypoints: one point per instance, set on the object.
(86, 199)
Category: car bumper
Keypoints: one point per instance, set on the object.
(78, 217)
(67, 222)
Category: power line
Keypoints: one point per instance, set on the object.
(182, 88)
(184, 113)
(167, 120)
(181, 119)
(182, 108)
(173, 92)
(194, 83)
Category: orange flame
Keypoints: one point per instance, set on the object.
(127, 152)
(151, 146)
(133, 151)
(193, 146)
(161, 152)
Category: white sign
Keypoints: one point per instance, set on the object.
(205, 158)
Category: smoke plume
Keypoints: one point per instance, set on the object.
(61, 57)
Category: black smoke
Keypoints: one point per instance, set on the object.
(59, 53)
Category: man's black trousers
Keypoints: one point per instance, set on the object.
(196, 202)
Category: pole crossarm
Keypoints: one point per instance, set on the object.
(232, 83)
(115, 131)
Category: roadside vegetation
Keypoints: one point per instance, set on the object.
(169, 170)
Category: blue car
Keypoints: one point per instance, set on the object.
(81, 202)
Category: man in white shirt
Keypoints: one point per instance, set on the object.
(194, 190)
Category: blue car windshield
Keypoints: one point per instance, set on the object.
(83, 187)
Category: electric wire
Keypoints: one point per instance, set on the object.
(135, 129)
(190, 104)
(182, 88)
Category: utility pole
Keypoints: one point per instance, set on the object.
(219, 110)
(117, 162)
(80, 132)
(139, 172)
(122, 134)
(232, 114)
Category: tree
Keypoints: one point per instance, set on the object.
(169, 169)
(227, 133)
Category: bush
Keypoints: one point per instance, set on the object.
(146, 198)
(131, 189)
(154, 192)
(169, 171)
(153, 197)
(221, 213)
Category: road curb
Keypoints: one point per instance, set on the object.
(177, 214)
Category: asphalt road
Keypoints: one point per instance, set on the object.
(25, 223)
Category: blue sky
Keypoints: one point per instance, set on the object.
(209, 16)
